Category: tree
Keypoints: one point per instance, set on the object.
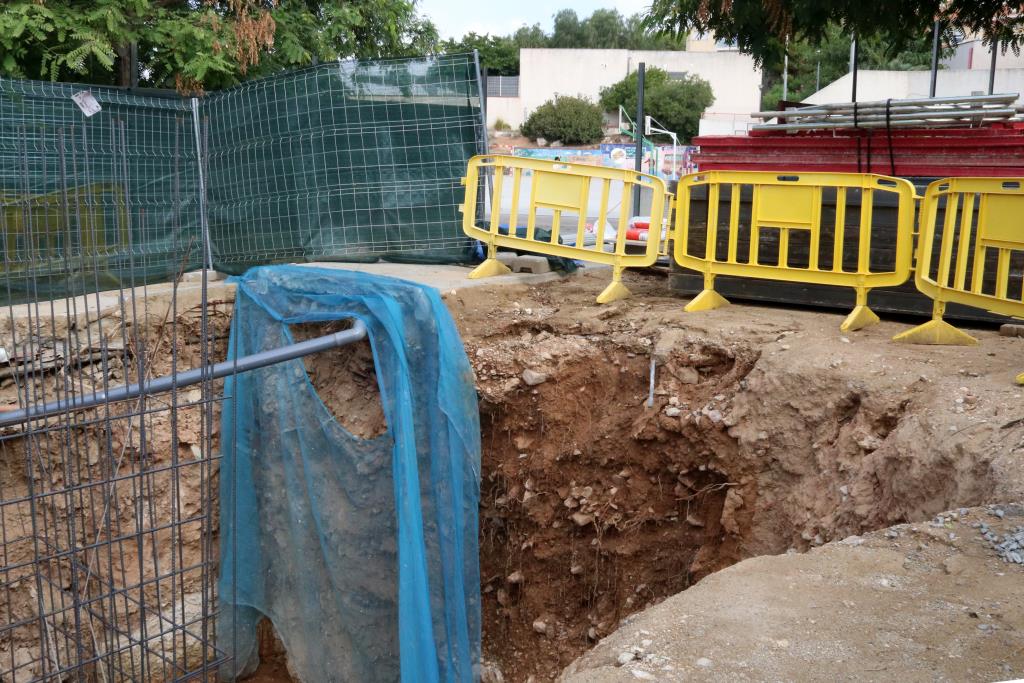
(677, 103)
(530, 36)
(605, 28)
(194, 45)
(498, 54)
(761, 27)
(569, 31)
(573, 120)
(833, 54)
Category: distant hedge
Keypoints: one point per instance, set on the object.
(572, 120)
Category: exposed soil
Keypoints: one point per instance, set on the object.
(130, 492)
(770, 431)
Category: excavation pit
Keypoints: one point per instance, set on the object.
(769, 432)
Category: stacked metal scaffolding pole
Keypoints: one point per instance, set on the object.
(923, 112)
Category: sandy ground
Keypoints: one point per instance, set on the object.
(919, 602)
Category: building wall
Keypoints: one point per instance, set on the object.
(882, 85)
(544, 73)
(508, 109)
(974, 54)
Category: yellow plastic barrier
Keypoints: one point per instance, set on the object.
(82, 221)
(982, 226)
(562, 188)
(792, 203)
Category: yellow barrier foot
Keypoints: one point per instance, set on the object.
(613, 292)
(708, 300)
(859, 318)
(489, 268)
(1020, 378)
(936, 332)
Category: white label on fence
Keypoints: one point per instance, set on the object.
(86, 102)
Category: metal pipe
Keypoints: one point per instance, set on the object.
(860, 124)
(864, 106)
(992, 67)
(204, 222)
(785, 71)
(640, 71)
(935, 59)
(917, 111)
(486, 187)
(908, 116)
(183, 379)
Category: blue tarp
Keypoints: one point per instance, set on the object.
(363, 553)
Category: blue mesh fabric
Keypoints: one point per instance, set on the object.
(363, 553)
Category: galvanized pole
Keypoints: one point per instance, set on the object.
(204, 220)
(935, 59)
(639, 120)
(485, 190)
(992, 67)
(785, 70)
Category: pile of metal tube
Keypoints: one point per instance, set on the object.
(926, 112)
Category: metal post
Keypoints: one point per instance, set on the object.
(483, 101)
(785, 76)
(183, 379)
(640, 71)
(204, 222)
(992, 67)
(935, 59)
(485, 186)
(854, 58)
(785, 70)
(817, 74)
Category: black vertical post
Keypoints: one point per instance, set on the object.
(935, 59)
(641, 68)
(992, 68)
(853, 66)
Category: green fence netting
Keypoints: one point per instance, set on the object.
(351, 160)
(91, 203)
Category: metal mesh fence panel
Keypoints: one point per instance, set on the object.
(350, 161)
(91, 202)
(106, 515)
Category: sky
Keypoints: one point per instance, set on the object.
(455, 18)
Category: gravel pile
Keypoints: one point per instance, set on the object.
(1010, 545)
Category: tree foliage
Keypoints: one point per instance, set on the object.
(194, 45)
(761, 27)
(498, 54)
(833, 54)
(573, 120)
(605, 28)
(676, 103)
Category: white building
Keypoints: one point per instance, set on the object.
(545, 73)
(873, 86)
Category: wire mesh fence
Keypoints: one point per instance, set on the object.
(352, 161)
(109, 516)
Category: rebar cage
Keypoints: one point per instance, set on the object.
(109, 515)
(107, 520)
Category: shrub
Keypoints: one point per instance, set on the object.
(501, 124)
(676, 103)
(573, 120)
